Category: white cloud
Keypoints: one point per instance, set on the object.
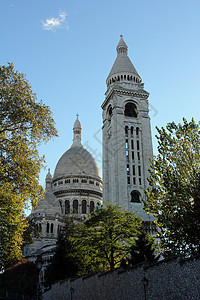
(55, 23)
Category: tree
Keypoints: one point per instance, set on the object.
(63, 264)
(174, 193)
(143, 250)
(108, 234)
(24, 125)
(97, 244)
(21, 278)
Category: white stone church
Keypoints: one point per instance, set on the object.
(76, 185)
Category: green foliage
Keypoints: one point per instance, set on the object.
(24, 125)
(98, 244)
(143, 250)
(21, 278)
(173, 196)
(107, 236)
(63, 264)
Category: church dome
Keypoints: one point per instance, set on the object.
(49, 204)
(77, 160)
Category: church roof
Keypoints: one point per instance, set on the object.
(122, 62)
(49, 204)
(77, 160)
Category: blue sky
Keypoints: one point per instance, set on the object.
(67, 48)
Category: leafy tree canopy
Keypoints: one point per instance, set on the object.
(144, 250)
(106, 236)
(174, 193)
(97, 244)
(24, 125)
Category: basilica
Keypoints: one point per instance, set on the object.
(76, 186)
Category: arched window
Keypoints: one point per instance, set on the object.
(109, 111)
(67, 207)
(130, 110)
(47, 227)
(84, 206)
(131, 130)
(51, 227)
(137, 131)
(135, 196)
(91, 206)
(126, 130)
(75, 206)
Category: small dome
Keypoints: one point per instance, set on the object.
(76, 161)
(49, 204)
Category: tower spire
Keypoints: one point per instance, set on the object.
(77, 141)
(122, 48)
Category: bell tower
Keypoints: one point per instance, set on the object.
(127, 143)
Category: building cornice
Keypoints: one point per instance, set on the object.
(120, 90)
(80, 192)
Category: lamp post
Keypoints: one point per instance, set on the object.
(145, 284)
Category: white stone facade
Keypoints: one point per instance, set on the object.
(127, 143)
(76, 188)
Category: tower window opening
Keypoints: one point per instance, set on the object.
(84, 206)
(47, 227)
(84, 180)
(139, 170)
(126, 130)
(126, 143)
(75, 180)
(118, 78)
(134, 170)
(60, 202)
(134, 181)
(128, 77)
(131, 130)
(91, 181)
(127, 155)
(110, 111)
(131, 78)
(135, 196)
(138, 145)
(67, 180)
(121, 77)
(97, 184)
(133, 155)
(124, 77)
(132, 144)
(128, 180)
(67, 207)
(138, 155)
(137, 131)
(140, 181)
(134, 78)
(130, 110)
(91, 206)
(51, 227)
(128, 169)
(75, 206)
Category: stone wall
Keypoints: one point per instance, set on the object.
(169, 279)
